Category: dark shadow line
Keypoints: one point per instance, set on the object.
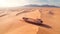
(3, 15)
(22, 12)
(43, 25)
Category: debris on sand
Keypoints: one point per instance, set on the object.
(51, 13)
(33, 21)
(38, 22)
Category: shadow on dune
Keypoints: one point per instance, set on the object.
(42, 25)
(3, 15)
(42, 31)
(46, 26)
(22, 12)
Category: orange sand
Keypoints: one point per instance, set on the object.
(14, 24)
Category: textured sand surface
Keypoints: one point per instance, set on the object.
(11, 21)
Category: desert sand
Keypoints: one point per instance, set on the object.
(11, 21)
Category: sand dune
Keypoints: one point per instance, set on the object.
(11, 21)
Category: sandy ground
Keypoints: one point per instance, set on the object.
(11, 21)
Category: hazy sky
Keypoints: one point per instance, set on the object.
(14, 3)
(50, 2)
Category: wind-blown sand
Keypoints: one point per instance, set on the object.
(11, 21)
